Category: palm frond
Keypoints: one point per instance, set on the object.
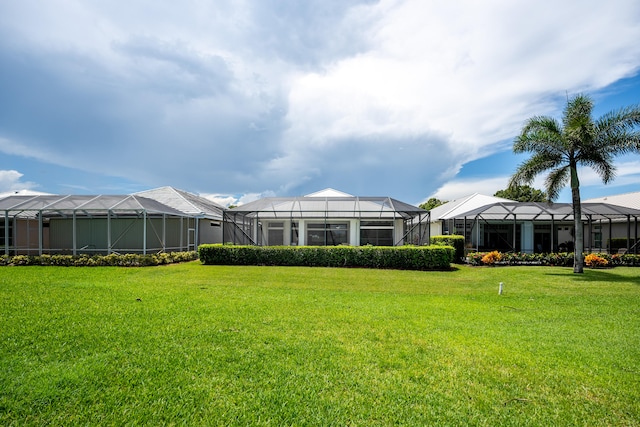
(537, 164)
(556, 181)
(620, 130)
(600, 160)
(540, 133)
(557, 147)
(577, 111)
(579, 129)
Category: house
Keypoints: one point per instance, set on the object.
(159, 220)
(205, 216)
(325, 218)
(505, 225)
(168, 219)
(443, 218)
(618, 234)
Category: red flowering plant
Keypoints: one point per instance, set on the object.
(491, 258)
(595, 261)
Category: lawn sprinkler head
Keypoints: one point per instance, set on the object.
(500, 288)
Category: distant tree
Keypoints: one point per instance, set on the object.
(522, 193)
(432, 203)
(560, 147)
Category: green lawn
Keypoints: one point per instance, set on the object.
(207, 345)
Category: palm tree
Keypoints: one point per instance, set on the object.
(578, 141)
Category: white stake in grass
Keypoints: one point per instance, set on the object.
(500, 288)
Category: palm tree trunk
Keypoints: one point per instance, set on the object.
(578, 247)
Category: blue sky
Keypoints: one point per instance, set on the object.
(241, 99)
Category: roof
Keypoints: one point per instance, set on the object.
(546, 211)
(454, 208)
(344, 206)
(29, 206)
(629, 200)
(329, 192)
(22, 193)
(183, 201)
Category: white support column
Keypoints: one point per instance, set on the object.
(354, 235)
(302, 232)
(256, 231)
(527, 237)
(398, 225)
(286, 232)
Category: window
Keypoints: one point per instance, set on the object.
(275, 236)
(328, 234)
(376, 233)
(3, 241)
(597, 236)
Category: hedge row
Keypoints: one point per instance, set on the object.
(124, 260)
(455, 240)
(563, 259)
(396, 257)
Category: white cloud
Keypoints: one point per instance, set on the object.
(471, 71)
(221, 199)
(468, 72)
(628, 173)
(251, 197)
(456, 189)
(10, 182)
(376, 98)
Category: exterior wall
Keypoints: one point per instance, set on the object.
(127, 235)
(209, 231)
(564, 236)
(530, 236)
(435, 228)
(26, 236)
(601, 232)
(314, 231)
(537, 236)
(398, 231)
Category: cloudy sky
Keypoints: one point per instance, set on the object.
(242, 98)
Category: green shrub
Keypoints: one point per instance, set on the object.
(124, 260)
(454, 240)
(396, 257)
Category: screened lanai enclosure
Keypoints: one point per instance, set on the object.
(545, 227)
(321, 220)
(73, 224)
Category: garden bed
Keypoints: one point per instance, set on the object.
(561, 259)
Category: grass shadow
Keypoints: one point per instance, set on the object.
(597, 275)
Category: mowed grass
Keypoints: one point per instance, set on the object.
(211, 345)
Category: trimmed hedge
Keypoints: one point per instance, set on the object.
(124, 260)
(392, 257)
(562, 259)
(455, 240)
